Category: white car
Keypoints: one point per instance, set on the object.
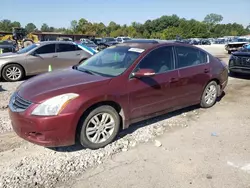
(122, 39)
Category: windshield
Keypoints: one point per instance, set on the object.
(27, 49)
(112, 61)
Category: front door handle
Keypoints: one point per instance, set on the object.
(78, 54)
(206, 71)
(172, 80)
(54, 56)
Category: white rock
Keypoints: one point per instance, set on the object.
(158, 143)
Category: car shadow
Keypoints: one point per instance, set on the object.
(133, 127)
(240, 76)
(1, 89)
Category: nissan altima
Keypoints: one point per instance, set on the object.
(123, 84)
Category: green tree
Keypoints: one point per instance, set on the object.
(5, 25)
(74, 26)
(45, 28)
(30, 27)
(213, 18)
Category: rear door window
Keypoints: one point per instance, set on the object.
(187, 56)
(66, 48)
(46, 49)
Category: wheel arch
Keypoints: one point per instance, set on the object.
(12, 63)
(111, 103)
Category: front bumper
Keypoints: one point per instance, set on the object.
(45, 131)
(238, 69)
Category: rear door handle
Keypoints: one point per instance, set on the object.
(78, 54)
(54, 56)
(172, 80)
(206, 71)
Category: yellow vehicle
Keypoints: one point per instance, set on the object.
(20, 36)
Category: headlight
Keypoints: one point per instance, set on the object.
(54, 105)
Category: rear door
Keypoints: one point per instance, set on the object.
(194, 72)
(40, 59)
(67, 55)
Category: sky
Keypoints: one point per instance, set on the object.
(59, 13)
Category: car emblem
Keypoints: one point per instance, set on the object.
(248, 60)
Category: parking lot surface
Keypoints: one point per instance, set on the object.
(189, 148)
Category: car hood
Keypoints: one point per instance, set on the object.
(239, 53)
(9, 54)
(44, 86)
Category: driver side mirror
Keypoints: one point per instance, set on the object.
(143, 73)
(34, 53)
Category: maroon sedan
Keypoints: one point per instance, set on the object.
(120, 85)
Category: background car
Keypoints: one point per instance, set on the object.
(122, 39)
(91, 102)
(106, 42)
(36, 59)
(7, 49)
(88, 43)
(239, 62)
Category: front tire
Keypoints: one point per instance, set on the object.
(209, 96)
(13, 73)
(100, 127)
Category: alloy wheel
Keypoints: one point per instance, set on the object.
(13, 73)
(100, 127)
(211, 94)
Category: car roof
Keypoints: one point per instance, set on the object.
(55, 42)
(150, 43)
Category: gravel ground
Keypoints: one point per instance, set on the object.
(26, 165)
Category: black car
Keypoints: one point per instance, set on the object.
(204, 42)
(239, 62)
(7, 48)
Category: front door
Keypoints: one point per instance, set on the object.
(40, 59)
(194, 71)
(150, 95)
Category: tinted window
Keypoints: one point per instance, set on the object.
(49, 48)
(65, 48)
(160, 60)
(190, 56)
(6, 50)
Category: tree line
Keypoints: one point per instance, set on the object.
(165, 27)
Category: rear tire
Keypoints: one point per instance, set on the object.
(13, 73)
(209, 96)
(99, 128)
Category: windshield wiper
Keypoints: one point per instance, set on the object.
(86, 71)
